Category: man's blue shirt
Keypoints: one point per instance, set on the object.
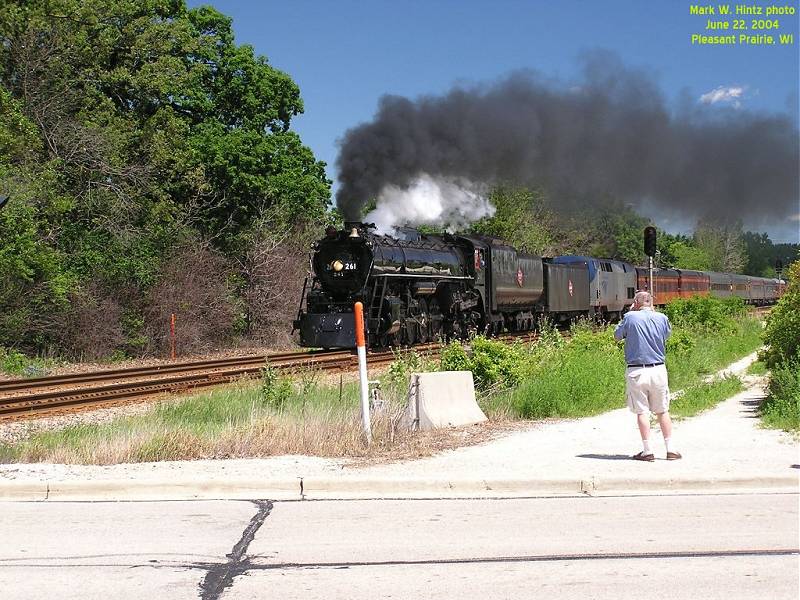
(645, 332)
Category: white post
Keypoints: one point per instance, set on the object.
(652, 291)
(361, 349)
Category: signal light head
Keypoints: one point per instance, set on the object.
(650, 240)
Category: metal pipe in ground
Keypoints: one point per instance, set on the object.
(362, 369)
(172, 336)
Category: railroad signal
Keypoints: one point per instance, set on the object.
(778, 266)
(650, 241)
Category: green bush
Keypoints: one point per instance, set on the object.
(275, 389)
(549, 337)
(13, 362)
(680, 342)
(454, 357)
(733, 306)
(781, 409)
(404, 364)
(694, 353)
(585, 377)
(705, 312)
(16, 363)
(782, 333)
(492, 362)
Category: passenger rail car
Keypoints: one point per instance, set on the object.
(669, 284)
(416, 287)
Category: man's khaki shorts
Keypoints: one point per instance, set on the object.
(647, 389)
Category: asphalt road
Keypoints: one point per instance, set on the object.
(681, 546)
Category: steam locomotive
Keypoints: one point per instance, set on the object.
(417, 287)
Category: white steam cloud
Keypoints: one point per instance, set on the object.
(451, 203)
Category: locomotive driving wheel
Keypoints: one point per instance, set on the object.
(423, 321)
(419, 322)
(435, 319)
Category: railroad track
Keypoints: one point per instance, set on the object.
(24, 398)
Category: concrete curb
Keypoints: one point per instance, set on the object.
(322, 488)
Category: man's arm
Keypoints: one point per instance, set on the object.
(621, 330)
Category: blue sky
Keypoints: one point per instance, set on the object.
(346, 54)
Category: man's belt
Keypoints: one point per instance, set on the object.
(647, 365)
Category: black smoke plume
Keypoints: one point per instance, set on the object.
(609, 135)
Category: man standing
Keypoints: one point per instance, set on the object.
(645, 332)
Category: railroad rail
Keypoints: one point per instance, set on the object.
(58, 394)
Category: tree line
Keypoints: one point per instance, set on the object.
(528, 219)
(153, 170)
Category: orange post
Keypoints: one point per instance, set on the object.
(359, 310)
(361, 349)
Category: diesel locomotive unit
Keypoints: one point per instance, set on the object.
(416, 287)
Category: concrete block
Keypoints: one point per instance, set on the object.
(442, 399)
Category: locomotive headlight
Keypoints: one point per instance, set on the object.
(337, 265)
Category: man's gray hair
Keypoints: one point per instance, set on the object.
(643, 299)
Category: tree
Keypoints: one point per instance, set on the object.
(762, 254)
(723, 244)
(619, 230)
(688, 256)
(521, 219)
(128, 128)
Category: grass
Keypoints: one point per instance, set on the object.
(17, 364)
(231, 421)
(585, 377)
(781, 409)
(757, 368)
(711, 351)
(702, 396)
(307, 415)
(582, 378)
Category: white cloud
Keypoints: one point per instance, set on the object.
(795, 217)
(732, 94)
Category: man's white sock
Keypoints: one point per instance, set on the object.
(668, 444)
(646, 444)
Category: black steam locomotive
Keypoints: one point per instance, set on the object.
(417, 287)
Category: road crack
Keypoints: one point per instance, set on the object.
(221, 576)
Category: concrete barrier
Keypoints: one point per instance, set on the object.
(443, 399)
